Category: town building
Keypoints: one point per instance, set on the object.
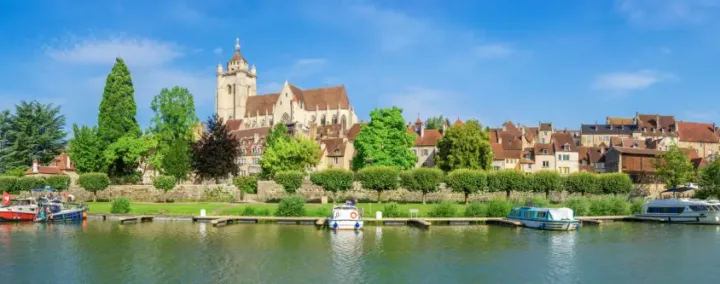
(60, 165)
(425, 144)
(701, 137)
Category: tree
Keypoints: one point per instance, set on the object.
(291, 180)
(164, 183)
(175, 117)
(709, 180)
(215, 154)
(116, 118)
(289, 154)
(615, 183)
(582, 182)
(86, 150)
(675, 168)
(123, 157)
(467, 181)
(94, 182)
(422, 179)
(277, 132)
(333, 180)
(546, 181)
(4, 140)
(176, 162)
(245, 184)
(34, 131)
(465, 145)
(436, 122)
(379, 178)
(385, 141)
(507, 181)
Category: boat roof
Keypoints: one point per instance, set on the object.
(346, 207)
(537, 208)
(682, 201)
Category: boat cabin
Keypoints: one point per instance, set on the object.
(541, 214)
(345, 212)
(679, 206)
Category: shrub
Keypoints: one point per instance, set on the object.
(263, 212)
(291, 206)
(507, 181)
(59, 182)
(499, 208)
(94, 182)
(333, 180)
(391, 210)
(467, 181)
(217, 194)
(422, 179)
(535, 201)
(583, 182)
(636, 205)
(579, 205)
(8, 183)
(615, 183)
(248, 211)
(120, 206)
(16, 172)
(164, 183)
(476, 209)
(545, 181)
(322, 212)
(246, 184)
(379, 178)
(607, 206)
(444, 209)
(30, 182)
(290, 180)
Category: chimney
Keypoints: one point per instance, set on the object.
(35, 167)
(611, 127)
(499, 138)
(657, 121)
(596, 126)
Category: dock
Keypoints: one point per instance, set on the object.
(419, 223)
(219, 221)
(503, 222)
(137, 219)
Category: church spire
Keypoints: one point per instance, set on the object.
(237, 44)
(237, 57)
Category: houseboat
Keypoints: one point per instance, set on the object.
(19, 210)
(683, 210)
(557, 219)
(345, 217)
(56, 211)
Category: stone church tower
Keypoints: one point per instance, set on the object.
(234, 86)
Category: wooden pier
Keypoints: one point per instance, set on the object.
(228, 220)
(503, 222)
(137, 219)
(419, 223)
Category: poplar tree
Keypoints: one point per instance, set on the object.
(117, 108)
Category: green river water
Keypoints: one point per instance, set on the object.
(185, 252)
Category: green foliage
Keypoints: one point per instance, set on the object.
(333, 179)
(507, 181)
(709, 181)
(422, 179)
(444, 209)
(615, 183)
(276, 133)
(94, 182)
(465, 145)
(120, 206)
(30, 182)
(291, 206)
(247, 184)
(322, 211)
(116, 118)
(499, 208)
(123, 157)
(609, 206)
(545, 181)
(248, 211)
(34, 131)
(379, 178)
(579, 205)
(467, 181)
(290, 180)
(59, 182)
(675, 168)
(8, 184)
(217, 194)
(289, 154)
(538, 202)
(164, 183)
(391, 210)
(86, 150)
(385, 141)
(436, 122)
(176, 160)
(476, 209)
(636, 205)
(215, 154)
(583, 182)
(16, 172)
(174, 119)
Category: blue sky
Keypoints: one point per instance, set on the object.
(563, 61)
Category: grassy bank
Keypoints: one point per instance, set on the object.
(494, 208)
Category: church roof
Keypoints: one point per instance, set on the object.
(322, 98)
(261, 104)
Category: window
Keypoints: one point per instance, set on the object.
(546, 164)
(545, 133)
(335, 160)
(424, 152)
(515, 213)
(528, 214)
(644, 129)
(497, 168)
(542, 140)
(600, 165)
(334, 119)
(544, 151)
(564, 157)
(564, 170)
(566, 147)
(702, 144)
(530, 166)
(697, 208)
(607, 138)
(541, 214)
(242, 161)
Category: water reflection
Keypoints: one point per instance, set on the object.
(347, 251)
(561, 257)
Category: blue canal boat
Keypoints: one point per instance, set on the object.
(56, 211)
(557, 219)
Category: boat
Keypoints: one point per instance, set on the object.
(557, 219)
(683, 210)
(18, 210)
(345, 217)
(57, 211)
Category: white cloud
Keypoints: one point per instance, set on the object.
(218, 51)
(496, 50)
(310, 61)
(630, 81)
(427, 102)
(135, 51)
(668, 12)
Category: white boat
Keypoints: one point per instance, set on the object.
(683, 210)
(19, 210)
(556, 219)
(345, 217)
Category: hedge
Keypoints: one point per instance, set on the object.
(290, 180)
(246, 184)
(582, 182)
(94, 182)
(120, 206)
(59, 182)
(467, 181)
(379, 178)
(615, 183)
(507, 181)
(291, 206)
(545, 181)
(8, 184)
(27, 183)
(422, 179)
(333, 180)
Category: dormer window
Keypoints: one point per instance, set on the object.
(566, 147)
(528, 156)
(544, 151)
(662, 130)
(634, 145)
(644, 129)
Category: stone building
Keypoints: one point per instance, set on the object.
(60, 165)
(701, 137)
(425, 147)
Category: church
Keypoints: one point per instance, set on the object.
(310, 112)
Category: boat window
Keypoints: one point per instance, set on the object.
(514, 213)
(673, 210)
(717, 208)
(697, 208)
(541, 214)
(528, 214)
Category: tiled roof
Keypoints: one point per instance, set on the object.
(620, 121)
(545, 126)
(429, 138)
(61, 162)
(616, 141)
(691, 153)
(591, 154)
(329, 130)
(630, 143)
(656, 121)
(44, 170)
(261, 104)
(562, 139)
(508, 125)
(233, 124)
(601, 129)
(511, 140)
(353, 131)
(458, 122)
(501, 154)
(236, 57)
(335, 147)
(697, 132)
(539, 147)
(250, 133)
(322, 98)
(637, 151)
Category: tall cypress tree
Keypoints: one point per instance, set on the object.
(118, 109)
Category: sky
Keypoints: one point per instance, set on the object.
(562, 61)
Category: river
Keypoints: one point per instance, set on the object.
(183, 252)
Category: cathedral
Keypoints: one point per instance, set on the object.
(237, 101)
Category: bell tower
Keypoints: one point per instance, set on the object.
(235, 84)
